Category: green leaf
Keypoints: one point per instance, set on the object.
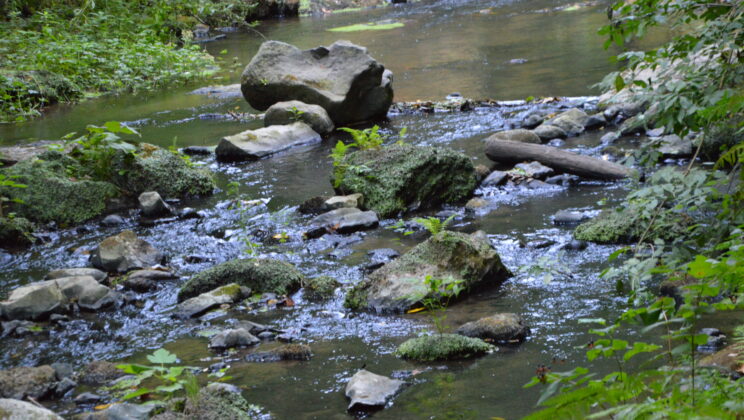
(137, 393)
(162, 356)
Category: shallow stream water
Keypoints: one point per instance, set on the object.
(445, 47)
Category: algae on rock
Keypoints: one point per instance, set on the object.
(429, 348)
(16, 232)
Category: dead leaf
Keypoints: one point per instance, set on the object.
(413, 311)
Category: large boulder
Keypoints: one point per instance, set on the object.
(283, 113)
(400, 284)
(368, 389)
(435, 347)
(125, 252)
(12, 409)
(343, 79)
(500, 328)
(22, 382)
(264, 142)
(397, 178)
(260, 275)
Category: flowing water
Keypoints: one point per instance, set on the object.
(444, 47)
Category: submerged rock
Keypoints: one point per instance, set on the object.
(398, 178)
(216, 401)
(366, 389)
(124, 252)
(260, 275)
(283, 113)
(728, 360)
(343, 220)
(264, 142)
(13, 409)
(237, 337)
(198, 305)
(399, 285)
(380, 257)
(22, 382)
(501, 328)
(343, 79)
(519, 135)
(430, 348)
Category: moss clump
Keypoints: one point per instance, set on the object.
(260, 275)
(395, 178)
(319, 288)
(51, 196)
(156, 169)
(431, 348)
(610, 227)
(213, 403)
(356, 298)
(16, 232)
(232, 290)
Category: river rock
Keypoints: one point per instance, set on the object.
(213, 402)
(673, 146)
(198, 305)
(436, 347)
(610, 227)
(571, 122)
(481, 172)
(22, 382)
(125, 252)
(728, 360)
(535, 170)
(343, 220)
(495, 179)
(13, 409)
(566, 180)
(342, 201)
(399, 285)
(343, 79)
(380, 257)
(568, 217)
(320, 288)
(34, 301)
(112, 220)
(294, 351)
(500, 328)
(519, 135)
(123, 411)
(548, 132)
(99, 275)
(283, 113)
(99, 372)
(238, 337)
(475, 204)
(595, 121)
(146, 280)
(406, 177)
(366, 389)
(609, 138)
(264, 142)
(85, 291)
(259, 275)
(16, 232)
(533, 120)
(10, 155)
(152, 205)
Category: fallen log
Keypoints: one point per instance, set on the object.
(504, 151)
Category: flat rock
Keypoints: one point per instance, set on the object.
(99, 275)
(571, 122)
(125, 252)
(343, 220)
(238, 337)
(22, 382)
(495, 179)
(283, 113)
(13, 409)
(198, 305)
(264, 142)
(548, 132)
(220, 92)
(145, 280)
(535, 170)
(569, 217)
(500, 328)
(342, 201)
(519, 135)
(368, 389)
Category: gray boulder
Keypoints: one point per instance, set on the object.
(238, 337)
(343, 79)
(22, 382)
(500, 328)
(198, 305)
(99, 275)
(399, 285)
(673, 146)
(535, 170)
(571, 122)
(12, 409)
(548, 132)
(264, 142)
(86, 292)
(343, 201)
(343, 220)
(568, 217)
(368, 389)
(125, 252)
(283, 113)
(495, 179)
(519, 135)
(152, 205)
(145, 280)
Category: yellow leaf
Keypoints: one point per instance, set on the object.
(413, 311)
(102, 407)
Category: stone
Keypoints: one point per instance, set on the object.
(342, 78)
(440, 347)
(595, 121)
(406, 177)
(264, 142)
(673, 146)
(123, 411)
(125, 252)
(609, 138)
(548, 132)
(566, 180)
(535, 170)
(568, 217)
(341, 201)
(13, 409)
(238, 337)
(380, 257)
(481, 172)
(399, 285)
(219, 91)
(571, 122)
(283, 113)
(495, 179)
(500, 328)
(99, 372)
(610, 227)
(343, 220)
(518, 135)
(22, 382)
(199, 150)
(299, 352)
(112, 220)
(728, 360)
(320, 288)
(146, 280)
(366, 389)
(10, 155)
(86, 292)
(533, 120)
(314, 205)
(575, 245)
(34, 301)
(196, 306)
(16, 233)
(87, 398)
(99, 275)
(152, 205)
(63, 387)
(259, 275)
(475, 204)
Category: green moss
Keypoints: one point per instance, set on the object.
(260, 275)
(228, 290)
(356, 298)
(609, 227)
(16, 232)
(216, 404)
(319, 288)
(431, 348)
(398, 177)
(160, 170)
(51, 196)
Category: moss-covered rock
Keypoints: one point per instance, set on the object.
(157, 169)
(396, 178)
(400, 284)
(610, 227)
(217, 401)
(260, 275)
(319, 288)
(52, 196)
(39, 87)
(16, 232)
(435, 347)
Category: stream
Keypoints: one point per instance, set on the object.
(445, 46)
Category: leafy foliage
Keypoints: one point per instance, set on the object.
(7, 181)
(369, 138)
(439, 294)
(434, 224)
